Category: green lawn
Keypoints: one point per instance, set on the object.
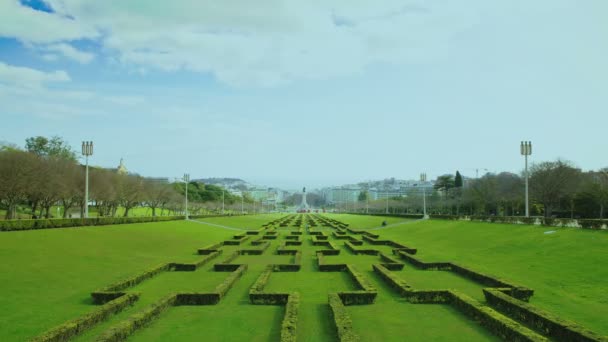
(52, 272)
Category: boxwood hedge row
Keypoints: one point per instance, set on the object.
(517, 291)
(498, 324)
(289, 326)
(342, 320)
(539, 320)
(13, 225)
(110, 292)
(124, 329)
(75, 327)
(194, 266)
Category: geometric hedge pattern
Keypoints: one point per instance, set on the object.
(505, 312)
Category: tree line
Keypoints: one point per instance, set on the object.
(47, 174)
(556, 188)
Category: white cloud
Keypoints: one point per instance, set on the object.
(33, 26)
(24, 77)
(248, 43)
(70, 52)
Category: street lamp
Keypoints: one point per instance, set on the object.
(526, 150)
(87, 150)
(187, 180)
(423, 180)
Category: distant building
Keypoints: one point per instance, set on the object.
(122, 169)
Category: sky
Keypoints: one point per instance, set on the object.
(309, 93)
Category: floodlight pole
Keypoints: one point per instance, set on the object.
(222, 202)
(87, 150)
(242, 203)
(187, 180)
(423, 180)
(526, 150)
(387, 202)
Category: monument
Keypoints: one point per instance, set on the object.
(303, 205)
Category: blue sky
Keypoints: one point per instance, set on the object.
(309, 93)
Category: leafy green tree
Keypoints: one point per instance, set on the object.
(363, 195)
(458, 180)
(53, 147)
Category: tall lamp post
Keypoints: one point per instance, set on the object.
(387, 202)
(187, 180)
(222, 202)
(87, 150)
(526, 150)
(423, 180)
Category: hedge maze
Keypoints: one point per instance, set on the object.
(316, 269)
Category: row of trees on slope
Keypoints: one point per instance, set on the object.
(47, 174)
(557, 188)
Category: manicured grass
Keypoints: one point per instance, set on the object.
(52, 272)
(564, 268)
(364, 221)
(243, 222)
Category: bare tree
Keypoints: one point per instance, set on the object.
(553, 182)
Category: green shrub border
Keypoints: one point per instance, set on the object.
(499, 325)
(72, 328)
(15, 225)
(342, 320)
(539, 320)
(519, 292)
(289, 326)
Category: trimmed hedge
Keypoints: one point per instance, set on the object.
(342, 320)
(442, 266)
(257, 296)
(13, 225)
(210, 249)
(539, 320)
(124, 329)
(538, 220)
(367, 294)
(227, 284)
(499, 325)
(197, 299)
(390, 263)
(255, 251)
(323, 267)
(196, 265)
(356, 250)
(73, 328)
(237, 241)
(111, 292)
(289, 326)
(519, 292)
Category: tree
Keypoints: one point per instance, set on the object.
(53, 147)
(17, 169)
(458, 180)
(363, 196)
(553, 182)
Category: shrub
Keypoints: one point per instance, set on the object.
(289, 326)
(498, 324)
(196, 265)
(227, 284)
(537, 319)
(124, 329)
(109, 292)
(342, 320)
(12, 225)
(70, 329)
